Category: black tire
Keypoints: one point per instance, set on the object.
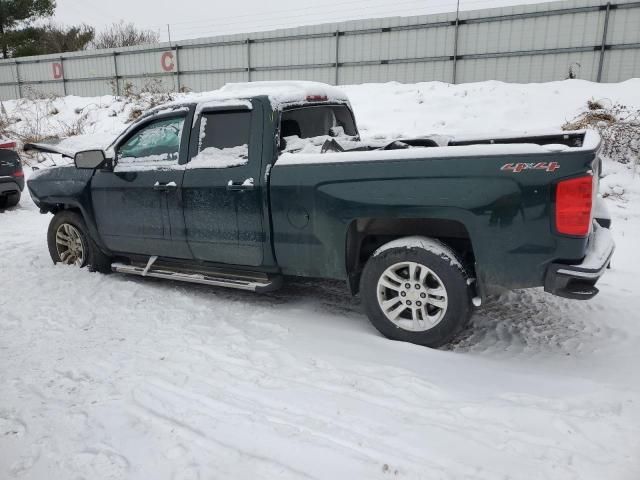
(12, 200)
(442, 261)
(95, 259)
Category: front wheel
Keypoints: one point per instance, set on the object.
(70, 243)
(415, 289)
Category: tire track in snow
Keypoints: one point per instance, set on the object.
(435, 417)
(304, 427)
(148, 406)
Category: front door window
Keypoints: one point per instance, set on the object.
(155, 146)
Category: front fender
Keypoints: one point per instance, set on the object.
(65, 187)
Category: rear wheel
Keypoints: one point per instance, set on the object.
(70, 243)
(416, 290)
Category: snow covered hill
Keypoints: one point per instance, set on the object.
(382, 110)
(115, 377)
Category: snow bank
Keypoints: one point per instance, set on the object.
(392, 110)
(384, 112)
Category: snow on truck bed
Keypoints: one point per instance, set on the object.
(310, 150)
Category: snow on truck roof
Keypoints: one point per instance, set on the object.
(279, 93)
(285, 92)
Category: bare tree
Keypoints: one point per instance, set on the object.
(124, 35)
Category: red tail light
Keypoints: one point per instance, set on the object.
(574, 201)
(18, 173)
(316, 98)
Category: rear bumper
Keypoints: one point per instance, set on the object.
(10, 185)
(578, 281)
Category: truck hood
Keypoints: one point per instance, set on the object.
(69, 146)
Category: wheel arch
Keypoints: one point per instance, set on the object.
(366, 235)
(80, 209)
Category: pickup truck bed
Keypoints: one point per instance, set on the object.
(467, 192)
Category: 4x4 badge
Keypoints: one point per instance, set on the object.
(519, 167)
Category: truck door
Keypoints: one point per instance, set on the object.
(222, 186)
(137, 205)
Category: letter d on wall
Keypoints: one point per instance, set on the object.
(57, 70)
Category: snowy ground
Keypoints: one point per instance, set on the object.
(109, 377)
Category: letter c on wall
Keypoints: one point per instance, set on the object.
(57, 70)
(166, 61)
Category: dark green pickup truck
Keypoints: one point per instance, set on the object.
(266, 180)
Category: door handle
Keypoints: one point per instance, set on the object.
(165, 187)
(248, 184)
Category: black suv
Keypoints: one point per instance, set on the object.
(11, 178)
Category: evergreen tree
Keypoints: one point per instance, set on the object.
(16, 15)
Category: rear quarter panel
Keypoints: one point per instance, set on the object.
(508, 215)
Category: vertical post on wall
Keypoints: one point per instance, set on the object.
(18, 80)
(604, 41)
(248, 59)
(337, 55)
(178, 67)
(64, 79)
(455, 45)
(115, 72)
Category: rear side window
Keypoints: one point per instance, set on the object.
(317, 121)
(223, 140)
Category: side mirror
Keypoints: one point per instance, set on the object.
(90, 159)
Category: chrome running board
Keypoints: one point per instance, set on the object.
(239, 280)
